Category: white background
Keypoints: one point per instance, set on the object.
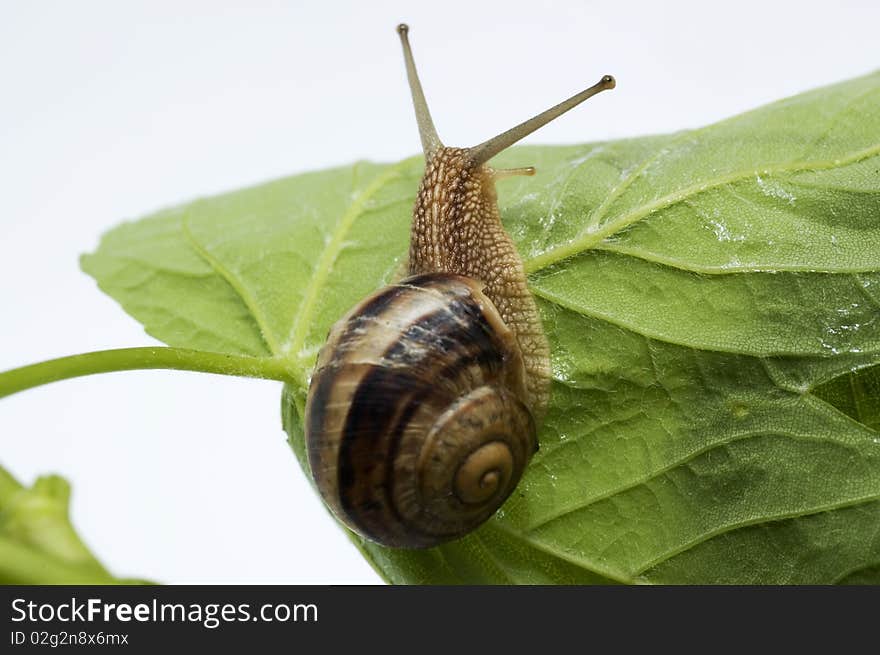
(110, 110)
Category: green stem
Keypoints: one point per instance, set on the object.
(128, 359)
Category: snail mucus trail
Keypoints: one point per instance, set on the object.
(423, 409)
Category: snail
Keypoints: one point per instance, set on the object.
(423, 408)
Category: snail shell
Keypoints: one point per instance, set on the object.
(416, 419)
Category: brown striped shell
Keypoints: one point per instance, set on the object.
(416, 421)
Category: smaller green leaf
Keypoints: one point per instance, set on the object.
(38, 543)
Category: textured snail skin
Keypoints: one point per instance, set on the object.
(457, 229)
(416, 421)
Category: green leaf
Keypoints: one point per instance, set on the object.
(38, 544)
(712, 298)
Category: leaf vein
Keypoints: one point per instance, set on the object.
(598, 213)
(591, 238)
(681, 460)
(731, 527)
(234, 282)
(582, 562)
(328, 257)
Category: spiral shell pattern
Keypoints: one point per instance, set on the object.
(416, 424)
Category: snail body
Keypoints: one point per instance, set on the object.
(423, 409)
